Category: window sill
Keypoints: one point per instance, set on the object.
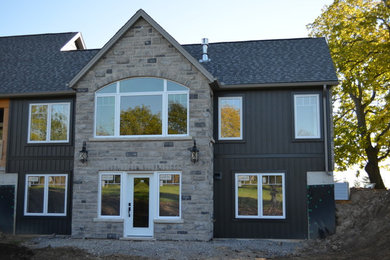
(168, 221)
(118, 220)
(131, 139)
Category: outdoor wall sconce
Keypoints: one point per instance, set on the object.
(83, 154)
(194, 153)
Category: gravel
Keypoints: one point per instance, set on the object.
(215, 249)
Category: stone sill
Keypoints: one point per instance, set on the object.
(168, 221)
(132, 139)
(118, 220)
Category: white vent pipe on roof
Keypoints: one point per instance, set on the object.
(205, 45)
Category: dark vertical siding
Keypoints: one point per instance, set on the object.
(268, 146)
(24, 158)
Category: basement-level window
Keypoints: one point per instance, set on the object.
(259, 195)
(45, 195)
(230, 118)
(142, 107)
(49, 123)
(307, 116)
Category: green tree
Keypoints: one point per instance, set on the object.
(140, 121)
(358, 34)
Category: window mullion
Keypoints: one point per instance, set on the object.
(45, 194)
(48, 123)
(260, 195)
(117, 115)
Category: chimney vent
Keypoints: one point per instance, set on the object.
(205, 45)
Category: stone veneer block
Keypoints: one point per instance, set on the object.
(143, 52)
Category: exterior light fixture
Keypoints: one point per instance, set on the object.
(194, 153)
(83, 154)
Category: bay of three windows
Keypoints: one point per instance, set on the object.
(142, 107)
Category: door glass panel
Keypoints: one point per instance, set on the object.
(141, 202)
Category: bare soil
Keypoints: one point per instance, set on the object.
(362, 229)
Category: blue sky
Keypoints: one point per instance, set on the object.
(186, 21)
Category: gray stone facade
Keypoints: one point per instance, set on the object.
(142, 51)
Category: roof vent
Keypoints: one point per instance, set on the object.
(205, 45)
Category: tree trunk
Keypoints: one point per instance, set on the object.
(372, 168)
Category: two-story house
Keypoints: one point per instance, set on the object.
(149, 138)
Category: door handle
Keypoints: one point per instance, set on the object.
(129, 210)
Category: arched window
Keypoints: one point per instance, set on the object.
(141, 107)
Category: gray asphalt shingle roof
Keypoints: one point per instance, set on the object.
(34, 63)
(268, 61)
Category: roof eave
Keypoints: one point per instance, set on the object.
(39, 94)
(140, 13)
(278, 85)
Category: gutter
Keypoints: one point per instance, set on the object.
(40, 94)
(324, 95)
(276, 85)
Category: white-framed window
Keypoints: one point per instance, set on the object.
(260, 195)
(230, 118)
(49, 123)
(46, 195)
(307, 116)
(110, 187)
(142, 107)
(169, 195)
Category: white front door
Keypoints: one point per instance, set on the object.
(139, 205)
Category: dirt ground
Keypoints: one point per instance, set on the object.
(362, 232)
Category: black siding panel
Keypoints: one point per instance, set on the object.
(268, 146)
(24, 158)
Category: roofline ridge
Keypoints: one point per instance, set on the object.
(36, 34)
(264, 40)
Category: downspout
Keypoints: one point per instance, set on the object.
(325, 118)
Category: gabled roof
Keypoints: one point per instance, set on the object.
(32, 64)
(269, 62)
(141, 14)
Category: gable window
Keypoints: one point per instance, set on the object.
(45, 195)
(110, 194)
(169, 195)
(307, 116)
(142, 107)
(259, 195)
(49, 123)
(230, 118)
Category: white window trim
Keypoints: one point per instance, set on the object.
(45, 195)
(220, 123)
(164, 113)
(259, 196)
(158, 217)
(100, 196)
(318, 136)
(48, 123)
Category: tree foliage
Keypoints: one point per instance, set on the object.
(230, 121)
(140, 121)
(177, 119)
(358, 34)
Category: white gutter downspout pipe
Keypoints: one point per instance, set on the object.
(324, 95)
